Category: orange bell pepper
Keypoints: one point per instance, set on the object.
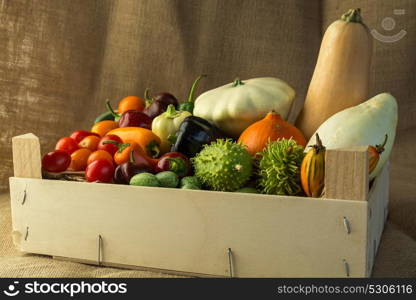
(123, 153)
(131, 103)
(103, 127)
(145, 138)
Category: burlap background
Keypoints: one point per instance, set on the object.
(61, 59)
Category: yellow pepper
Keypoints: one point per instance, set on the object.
(167, 124)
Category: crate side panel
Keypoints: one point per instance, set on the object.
(190, 231)
(377, 214)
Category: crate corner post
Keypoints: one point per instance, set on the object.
(26, 156)
(346, 174)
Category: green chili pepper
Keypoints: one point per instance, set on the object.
(116, 116)
(104, 116)
(189, 105)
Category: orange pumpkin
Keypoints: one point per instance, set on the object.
(271, 128)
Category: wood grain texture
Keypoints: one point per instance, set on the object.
(378, 201)
(26, 156)
(190, 231)
(346, 174)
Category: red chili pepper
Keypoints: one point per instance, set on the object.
(139, 157)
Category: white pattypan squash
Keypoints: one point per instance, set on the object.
(235, 106)
(362, 125)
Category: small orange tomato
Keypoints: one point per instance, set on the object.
(374, 153)
(99, 154)
(123, 153)
(131, 103)
(79, 159)
(103, 127)
(90, 142)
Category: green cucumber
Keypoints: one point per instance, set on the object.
(144, 179)
(192, 181)
(168, 179)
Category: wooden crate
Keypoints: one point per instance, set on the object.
(203, 233)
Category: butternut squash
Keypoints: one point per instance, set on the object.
(341, 76)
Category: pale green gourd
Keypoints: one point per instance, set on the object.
(362, 125)
(235, 106)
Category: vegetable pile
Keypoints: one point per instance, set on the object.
(235, 138)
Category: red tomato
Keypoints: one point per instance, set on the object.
(67, 144)
(100, 170)
(56, 161)
(79, 135)
(110, 143)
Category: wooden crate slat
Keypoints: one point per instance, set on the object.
(190, 231)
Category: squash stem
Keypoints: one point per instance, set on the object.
(353, 16)
(171, 112)
(193, 88)
(237, 82)
(318, 146)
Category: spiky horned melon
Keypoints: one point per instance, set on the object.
(224, 165)
(279, 168)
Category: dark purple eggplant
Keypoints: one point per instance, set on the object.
(155, 109)
(135, 118)
(158, 104)
(166, 98)
(126, 171)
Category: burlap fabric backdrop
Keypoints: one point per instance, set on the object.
(61, 59)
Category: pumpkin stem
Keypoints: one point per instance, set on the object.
(380, 148)
(352, 16)
(193, 88)
(237, 82)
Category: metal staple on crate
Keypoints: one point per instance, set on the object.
(347, 267)
(100, 241)
(27, 232)
(347, 225)
(230, 262)
(24, 197)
